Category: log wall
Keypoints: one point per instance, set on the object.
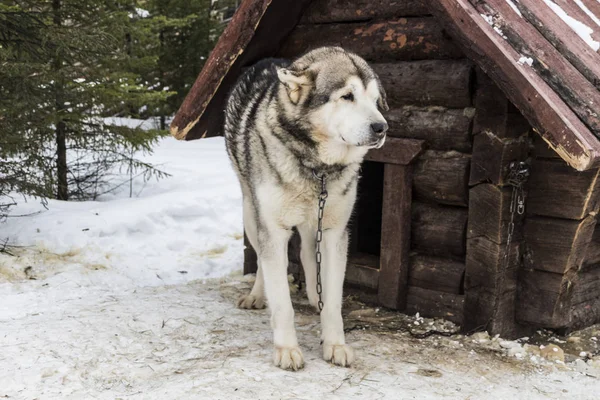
(492, 262)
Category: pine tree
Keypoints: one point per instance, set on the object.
(58, 83)
(186, 32)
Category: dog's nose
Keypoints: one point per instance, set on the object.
(379, 128)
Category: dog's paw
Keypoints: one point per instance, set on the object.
(250, 302)
(288, 358)
(338, 354)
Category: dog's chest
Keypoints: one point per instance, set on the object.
(293, 205)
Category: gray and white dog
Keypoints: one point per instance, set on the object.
(284, 123)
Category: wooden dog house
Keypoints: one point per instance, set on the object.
(478, 90)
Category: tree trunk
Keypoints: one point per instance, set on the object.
(61, 161)
(62, 192)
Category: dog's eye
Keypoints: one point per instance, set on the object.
(349, 96)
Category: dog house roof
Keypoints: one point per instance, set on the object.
(543, 54)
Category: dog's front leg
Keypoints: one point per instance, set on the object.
(274, 262)
(335, 252)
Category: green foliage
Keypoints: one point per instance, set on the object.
(68, 65)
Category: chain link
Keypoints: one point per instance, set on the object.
(517, 176)
(319, 238)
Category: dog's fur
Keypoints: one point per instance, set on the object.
(283, 123)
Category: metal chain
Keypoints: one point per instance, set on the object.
(319, 238)
(517, 176)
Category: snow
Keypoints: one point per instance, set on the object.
(582, 30)
(140, 12)
(588, 11)
(490, 20)
(525, 60)
(134, 297)
(514, 7)
(171, 225)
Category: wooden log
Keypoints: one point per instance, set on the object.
(544, 299)
(436, 273)
(491, 106)
(363, 270)
(592, 255)
(492, 157)
(556, 190)
(439, 230)
(329, 11)
(575, 90)
(434, 304)
(557, 245)
(541, 148)
(560, 34)
(585, 314)
(489, 266)
(424, 83)
(400, 39)
(560, 301)
(493, 312)
(442, 128)
(489, 214)
(576, 12)
(442, 177)
(396, 151)
(586, 286)
(555, 121)
(395, 236)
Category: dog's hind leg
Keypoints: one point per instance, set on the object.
(307, 257)
(256, 298)
(273, 257)
(335, 253)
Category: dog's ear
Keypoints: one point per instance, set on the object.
(296, 82)
(382, 101)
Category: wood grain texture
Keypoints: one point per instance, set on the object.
(557, 245)
(556, 190)
(395, 236)
(418, 38)
(567, 41)
(436, 273)
(434, 304)
(573, 88)
(489, 214)
(591, 260)
(444, 83)
(396, 151)
(441, 128)
(363, 271)
(442, 177)
(544, 299)
(328, 11)
(439, 230)
(492, 157)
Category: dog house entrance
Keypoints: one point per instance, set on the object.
(365, 227)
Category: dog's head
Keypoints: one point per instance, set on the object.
(338, 95)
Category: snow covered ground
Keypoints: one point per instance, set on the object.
(135, 298)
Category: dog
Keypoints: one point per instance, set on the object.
(286, 125)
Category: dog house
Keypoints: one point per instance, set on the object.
(482, 205)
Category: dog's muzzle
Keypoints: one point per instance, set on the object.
(378, 135)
